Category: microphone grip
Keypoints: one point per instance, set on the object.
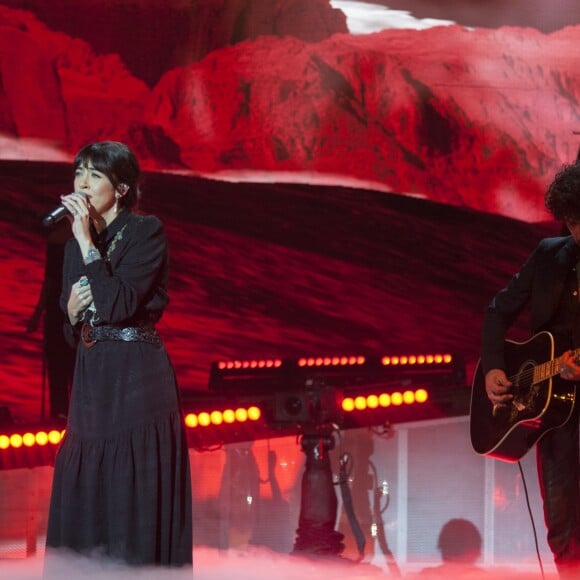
(55, 216)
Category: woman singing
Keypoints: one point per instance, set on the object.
(121, 486)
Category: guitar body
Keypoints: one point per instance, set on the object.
(538, 405)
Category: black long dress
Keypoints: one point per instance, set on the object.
(121, 483)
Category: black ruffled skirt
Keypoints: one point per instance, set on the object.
(126, 497)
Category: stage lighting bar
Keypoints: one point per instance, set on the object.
(249, 364)
(263, 376)
(384, 400)
(376, 407)
(28, 447)
(29, 439)
(214, 420)
(334, 361)
(225, 416)
(419, 359)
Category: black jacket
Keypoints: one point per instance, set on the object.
(539, 285)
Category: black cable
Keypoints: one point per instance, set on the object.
(346, 466)
(532, 520)
(379, 491)
(343, 475)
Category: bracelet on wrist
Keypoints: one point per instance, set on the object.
(92, 256)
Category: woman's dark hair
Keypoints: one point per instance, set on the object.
(118, 163)
(562, 198)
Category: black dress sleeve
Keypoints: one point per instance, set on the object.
(133, 277)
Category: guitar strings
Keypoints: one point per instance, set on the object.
(528, 374)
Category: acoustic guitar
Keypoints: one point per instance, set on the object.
(542, 400)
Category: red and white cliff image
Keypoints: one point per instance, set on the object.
(476, 118)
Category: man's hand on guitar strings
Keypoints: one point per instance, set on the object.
(498, 387)
(569, 368)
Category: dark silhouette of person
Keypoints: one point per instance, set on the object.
(271, 525)
(58, 355)
(460, 546)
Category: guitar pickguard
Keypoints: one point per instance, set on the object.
(525, 392)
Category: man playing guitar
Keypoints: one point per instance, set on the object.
(520, 397)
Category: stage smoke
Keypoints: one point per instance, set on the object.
(251, 564)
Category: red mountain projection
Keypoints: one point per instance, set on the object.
(475, 118)
(153, 36)
(478, 118)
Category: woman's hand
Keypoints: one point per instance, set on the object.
(78, 205)
(79, 300)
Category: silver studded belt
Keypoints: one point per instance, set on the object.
(91, 334)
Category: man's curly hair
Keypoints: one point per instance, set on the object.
(562, 198)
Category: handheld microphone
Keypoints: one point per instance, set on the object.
(56, 215)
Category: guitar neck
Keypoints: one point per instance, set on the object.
(551, 368)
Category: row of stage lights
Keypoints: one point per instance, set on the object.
(384, 400)
(41, 438)
(227, 416)
(338, 361)
(348, 405)
(230, 416)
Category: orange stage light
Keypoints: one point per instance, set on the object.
(373, 401)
